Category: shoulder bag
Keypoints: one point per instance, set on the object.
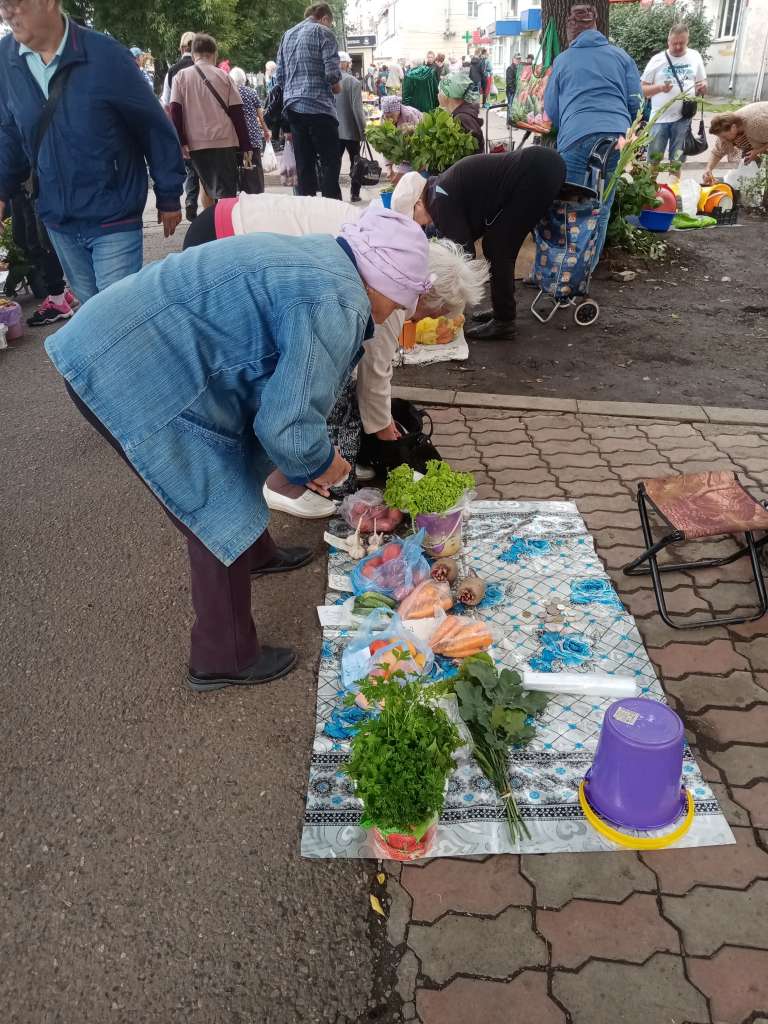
(366, 170)
(689, 106)
(54, 95)
(695, 144)
(212, 91)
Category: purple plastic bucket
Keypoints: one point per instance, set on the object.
(634, 781)
(442, 531)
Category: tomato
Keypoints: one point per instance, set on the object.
(377, 645)
(369, 570)
(391, 551)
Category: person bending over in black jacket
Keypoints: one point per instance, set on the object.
(498, 197)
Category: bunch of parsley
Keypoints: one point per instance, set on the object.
(401, 759)
(498, 713)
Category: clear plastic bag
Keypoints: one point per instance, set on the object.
(366, 509)
(287, 164)
(394, 570)
(380, 647)
(268, 159)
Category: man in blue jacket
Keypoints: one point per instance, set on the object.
(91, 163)
(594, 92)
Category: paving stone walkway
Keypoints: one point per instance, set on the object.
(674, 936)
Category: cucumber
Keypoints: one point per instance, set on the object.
(371, 599)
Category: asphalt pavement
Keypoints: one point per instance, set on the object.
(149, 837)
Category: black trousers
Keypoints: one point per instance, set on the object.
(537, 182)
(352, 147)
(217, 169)
(316, 138)
(46, 277)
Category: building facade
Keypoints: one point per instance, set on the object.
(738, 57)
(409, 29)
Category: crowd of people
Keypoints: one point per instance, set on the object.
(295, 303)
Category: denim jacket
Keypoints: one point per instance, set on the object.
(213, 365)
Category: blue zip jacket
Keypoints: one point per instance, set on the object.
(213, 365)
(594, 88)
(107, 127)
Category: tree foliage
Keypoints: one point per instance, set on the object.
(558, 9)
(643, 31)
(248, 31)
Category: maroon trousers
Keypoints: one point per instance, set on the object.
(223, 639)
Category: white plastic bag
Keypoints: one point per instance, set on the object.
(689, 196)
(741, 174)
(287, 164)
(268, 159)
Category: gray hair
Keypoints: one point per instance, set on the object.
(238, 77)
(459, 281)
(679, 29)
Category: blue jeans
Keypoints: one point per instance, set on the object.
(576, 170)
(93, 262)
(669, 134)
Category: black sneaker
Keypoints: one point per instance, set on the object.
(273, 663)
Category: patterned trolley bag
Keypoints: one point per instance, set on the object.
(566, 245)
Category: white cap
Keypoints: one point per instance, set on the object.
(408, 192)
(344, 58)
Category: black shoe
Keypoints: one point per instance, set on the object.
(191, 213)
(273, 662)
(493, 330)
(355, 199)
(286, 560)
(482, 316)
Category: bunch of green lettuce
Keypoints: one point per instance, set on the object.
(440, 489)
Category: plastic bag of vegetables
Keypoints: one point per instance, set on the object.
(394, 570)
(382, 646)
(367, 510)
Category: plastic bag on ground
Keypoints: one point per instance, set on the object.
(689, 196)
(366, 508)
(381, 646)
(394, 570)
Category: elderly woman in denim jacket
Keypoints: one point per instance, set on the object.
(212, 366)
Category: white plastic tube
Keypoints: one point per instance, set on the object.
(587, 684)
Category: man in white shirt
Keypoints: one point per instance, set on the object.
(678, 69)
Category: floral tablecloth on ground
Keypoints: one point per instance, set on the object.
(550, 600)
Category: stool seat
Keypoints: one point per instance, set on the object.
(706, 504)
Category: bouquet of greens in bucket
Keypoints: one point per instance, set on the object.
(499, 715)
(400, 762)
(435, 501)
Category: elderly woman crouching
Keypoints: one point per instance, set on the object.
(207, 368)
(744, 133)
(364, 405)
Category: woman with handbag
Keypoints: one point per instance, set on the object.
(676, 71)
(363, 413)
(252, 178)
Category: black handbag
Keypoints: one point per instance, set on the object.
(695, 144)
(413, 448)
(366, 170)
(251, 179)
(689, 106)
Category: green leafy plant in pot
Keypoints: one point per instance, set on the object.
(435, 502)
(400, 762)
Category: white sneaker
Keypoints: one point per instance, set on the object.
(309, 505)
(364, 472)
